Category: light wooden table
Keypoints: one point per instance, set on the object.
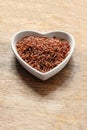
(27, 103)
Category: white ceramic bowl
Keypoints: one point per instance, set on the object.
(38, 74)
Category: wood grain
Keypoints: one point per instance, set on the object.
(27, 103)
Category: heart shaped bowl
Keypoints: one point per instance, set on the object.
(43, 76)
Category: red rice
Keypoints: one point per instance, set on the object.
(43, 53)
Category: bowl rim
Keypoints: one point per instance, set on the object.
(44, 33)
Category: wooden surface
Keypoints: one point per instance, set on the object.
(27, 103)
